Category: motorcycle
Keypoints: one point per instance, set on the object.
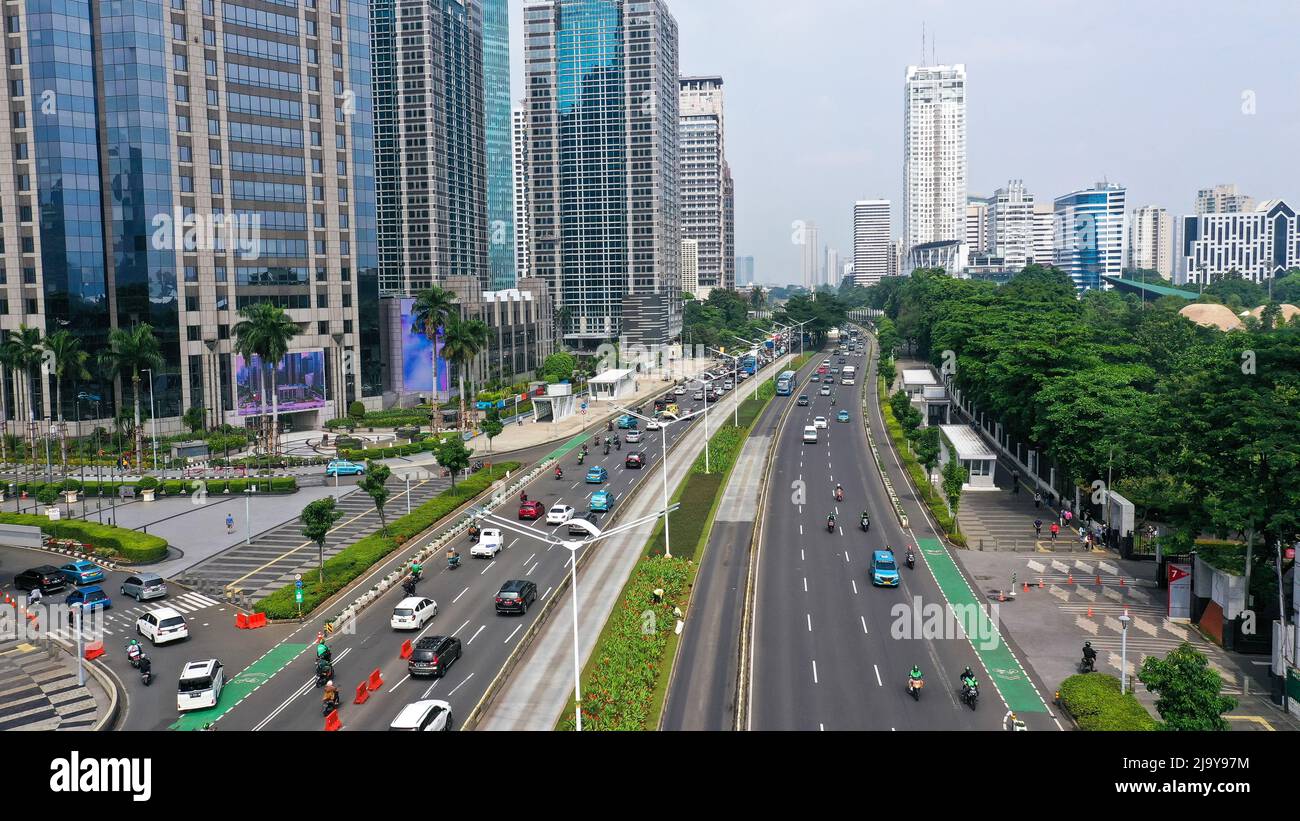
(830, 525)
(133, 654)
(1087, 665)
(911, 560)
(559, 474)
(914, 686)
(146, 670)
(970, 695)
(618, 443)
(324, 674)
(581, 457)
(408, 587)
(839, 494)
(453, 561)
(606, 448)
(329, 704)
(865, 524)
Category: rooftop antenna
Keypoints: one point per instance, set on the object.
(922, 42)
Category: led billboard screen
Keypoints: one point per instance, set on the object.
(299, 383)
(417, 357)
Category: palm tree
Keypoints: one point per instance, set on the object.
(128, 353)
(8, 363)
(464, 339)
(24, 350)
(266, 331)
(432, 309)
(67, 360)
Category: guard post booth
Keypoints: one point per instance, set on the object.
(558, 404)
(612, 385)
(963, 443)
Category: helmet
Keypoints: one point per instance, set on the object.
(329, 683)
(1087, 644)
(967, 672)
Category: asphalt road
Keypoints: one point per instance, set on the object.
(830, 651)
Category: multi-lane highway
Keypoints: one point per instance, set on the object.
(830, 651)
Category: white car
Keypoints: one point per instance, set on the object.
(413, 613)
(680, 390)
(653, 424)
(634, 436)
(825, 391)
(489, 543)
(810, 435)
(162, 625)
(728, 385)
(819, 422)
(699, 396)
(423, 716)
(200, 685)
(558, 514)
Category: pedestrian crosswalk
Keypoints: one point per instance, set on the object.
(119, 620)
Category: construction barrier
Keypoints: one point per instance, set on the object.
(241, 621)
(363, 695)
(376, 680)
(256, 620)
(332, 722)
(406, 649)
(94, 650)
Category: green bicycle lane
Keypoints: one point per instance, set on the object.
(1009, 676)
(242, 685)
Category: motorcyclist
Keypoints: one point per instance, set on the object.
(453, 558)
(331, 695)
(581, 457)
(832, 399)
(866, 519)
(408, 585)
(830, 521)
(915, 675)
(839, 491)
(1090, 654)
(969, 683)
(416, 570)
(133, 651)
(559, 473)
(611, 426)
(146, 666)
(323, 652)
(324, 669)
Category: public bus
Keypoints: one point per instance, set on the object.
(785, 383)
(848, 374)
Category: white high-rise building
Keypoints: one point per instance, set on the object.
(977, 224)
(1043, 247)
(522, 235)
(872, 249)
(690, 266)
(810, 251)
(707, 214)
(1151, 241)
(1090, 236)
(1260, 244)
(934, 154)
(832, 267)
(1223, 199)
(1010, 225)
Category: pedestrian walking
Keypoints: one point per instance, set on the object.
(1038, 527)
(1055, 529)
(1068, 516)
(1038, 500)
(230, 523)
(1015, 482)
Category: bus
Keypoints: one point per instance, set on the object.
(749, 364)
(847, 374)
(785, 383)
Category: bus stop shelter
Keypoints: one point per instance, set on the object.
(965, 445)
(612, 384)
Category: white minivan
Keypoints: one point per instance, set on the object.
(200, 685)
(810, 435)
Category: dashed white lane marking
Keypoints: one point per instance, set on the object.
(878, 680)
(809, 616)
(864, 625)
(854, 582)
(815, 671)
(480, 629)
(805, 584)
(463, 592)
(512, 633)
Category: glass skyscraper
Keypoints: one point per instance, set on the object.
(498, 138)
(1089, 235)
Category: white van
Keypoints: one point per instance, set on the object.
(200, 685)
(810, 435)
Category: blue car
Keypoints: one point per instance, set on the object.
(601, 500)
(342, 467)
(597, 475)
(625, 422)
(89, 597)
(842, 416)
(884, 570)
(82, 572)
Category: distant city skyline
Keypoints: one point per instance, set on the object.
(838, 136)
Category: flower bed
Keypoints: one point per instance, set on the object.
(127, 546)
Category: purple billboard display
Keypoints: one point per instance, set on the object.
(299, 383)
(417, 353)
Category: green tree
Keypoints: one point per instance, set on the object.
(464, 339)
(430, 313)
(357, 412)
(318, 519)
(927, 448)
(558, 366)
(954, 478)
(66, 360)
(454, 456)
(1188, 690)
(266, 331)
(1287, 288)
(194, 419)
(375, 485)
(128, 353)
(492, 427)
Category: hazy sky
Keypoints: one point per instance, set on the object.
(1146, 93)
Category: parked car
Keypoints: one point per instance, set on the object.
(515, 596)
(432, 715)
(342, 467)
(162, 625)
(144, 586)
(433, 655)
(532, 509)
(89, 597)
(559, 514)
(489, 544)
(200, 685)
(602, 500)
(597, 475)
(413, 613)
(46, 578)
(634, 460)
(82, 572)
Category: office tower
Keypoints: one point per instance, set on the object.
(832, 275)
(809, 239)
(498, 132)
(1089, 234)
(1044, 236)
(872, 248)
(604, 166)
(977, 215)
(152, 177)
(934, 154)
(1010, 225)
(1151, 241)
(519, 118)
(1260, 244)
(847, 275)
(431, 167)
(707, 207)
(744, 270)
(1223, 199)
(691, 266)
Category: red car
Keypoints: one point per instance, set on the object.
(532, 510)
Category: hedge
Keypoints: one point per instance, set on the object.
(169, 487)
(354, 560)
(916, 471)
(1096, 704)
(127, 545)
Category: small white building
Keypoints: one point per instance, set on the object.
(963, 443)
(916, 380)
(558, 403)
(612, 384)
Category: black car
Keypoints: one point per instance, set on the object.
(515, 596)
(589, 517)
(802, 401)
(46, 577)
(634, 460)
(433, 655)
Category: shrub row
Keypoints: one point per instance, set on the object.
(354, 560)
(916, 471)
(427, 446)
(128, 546)
(169, 487)
(1096, 704)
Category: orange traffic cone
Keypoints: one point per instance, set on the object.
(1090, 611)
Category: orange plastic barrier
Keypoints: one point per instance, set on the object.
(332, 722)
(241, 621)
(256, 620)
(406, 649)
(363, 695)
(376, 680)
(94, 650)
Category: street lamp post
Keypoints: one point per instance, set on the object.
(735, 382)
(1124, 621)
(153, 419)
(665, 427)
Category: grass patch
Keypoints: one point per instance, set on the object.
(351, 562)
(1096, 704)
